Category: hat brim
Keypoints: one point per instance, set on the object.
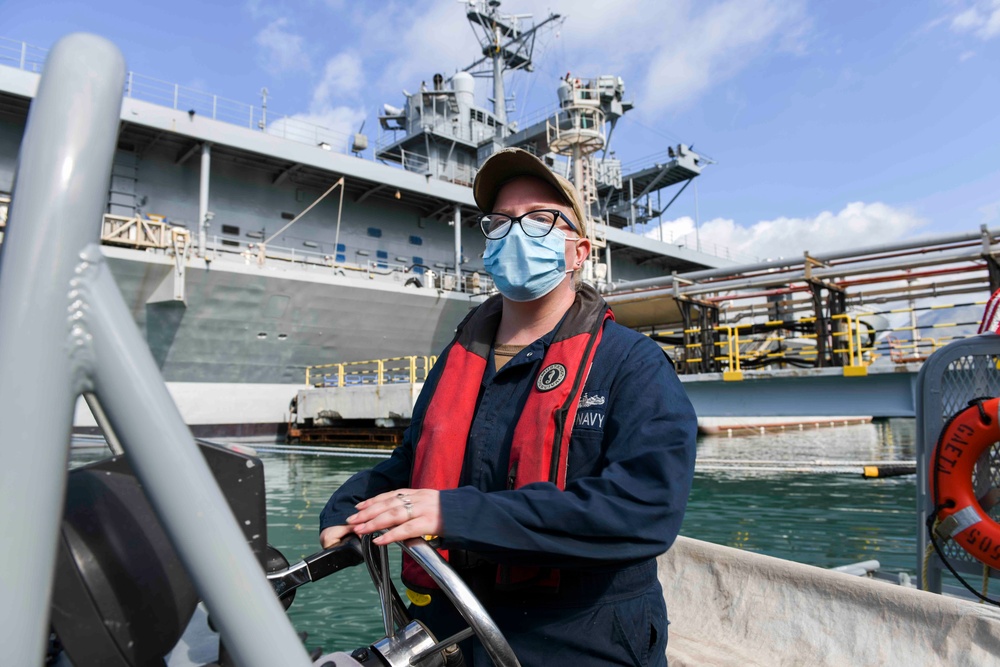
(511, 163)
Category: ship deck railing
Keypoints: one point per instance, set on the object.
(153, 233)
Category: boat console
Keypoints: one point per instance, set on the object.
(122, 597)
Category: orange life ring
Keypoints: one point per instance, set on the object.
(964, 438)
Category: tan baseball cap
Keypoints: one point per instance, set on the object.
(510, 163)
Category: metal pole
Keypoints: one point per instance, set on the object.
(856, 254)
(607, 255)
(499, 96)
(188, 501)
(631, 205)
(697, 220)
(206, 169)
(659, 216)
(63, 171)
(458, 244)
(104, 423)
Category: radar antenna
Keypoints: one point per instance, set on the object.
(506, 46)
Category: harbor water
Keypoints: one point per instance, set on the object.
(769, 493)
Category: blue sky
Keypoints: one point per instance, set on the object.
(833, 124)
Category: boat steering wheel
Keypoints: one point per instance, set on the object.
(411, 643)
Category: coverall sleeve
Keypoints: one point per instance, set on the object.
(393, 473)
(630, 508)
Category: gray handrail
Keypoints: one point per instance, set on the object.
(65, 330)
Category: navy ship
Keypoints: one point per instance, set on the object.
(250, 246)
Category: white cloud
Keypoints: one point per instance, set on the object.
(342, 77)
(421, 39)
(670, 53)
(332, 126)
(326, 122)
(857, 225)
(981, 18)
(282, 50)
(716, 44)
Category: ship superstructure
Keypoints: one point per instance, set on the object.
(383, 257)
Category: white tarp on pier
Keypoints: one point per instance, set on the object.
(732, 607)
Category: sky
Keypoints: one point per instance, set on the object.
(832, 125)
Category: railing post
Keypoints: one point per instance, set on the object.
(24, 54)
(176, 93)
(128, 85)
(308, 370)
(215, 103)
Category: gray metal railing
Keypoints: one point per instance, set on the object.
(64, 331)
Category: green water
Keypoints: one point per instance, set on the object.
(823, 519)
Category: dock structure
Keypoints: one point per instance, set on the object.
(841, 335)
(855, 311)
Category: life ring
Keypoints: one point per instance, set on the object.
(960, 513)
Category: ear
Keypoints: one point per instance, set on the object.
(582, 252)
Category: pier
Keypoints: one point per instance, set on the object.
(837, 336)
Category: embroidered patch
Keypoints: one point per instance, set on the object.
(587, 401)
(551, 377)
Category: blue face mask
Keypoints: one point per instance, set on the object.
(525, 268)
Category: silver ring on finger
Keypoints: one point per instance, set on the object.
(408, 506)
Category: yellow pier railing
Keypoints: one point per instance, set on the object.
(394, 370)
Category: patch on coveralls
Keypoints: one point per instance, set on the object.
(551, 377)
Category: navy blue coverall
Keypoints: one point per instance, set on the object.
(631, 462)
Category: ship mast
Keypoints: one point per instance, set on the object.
(506, 46)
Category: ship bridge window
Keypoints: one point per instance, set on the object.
(418, 269)
(416, 240)
(381, 255)
(285, 215)
(375, 232)
(231, 229)
(230, 243)
(341, 247)
(341, 257)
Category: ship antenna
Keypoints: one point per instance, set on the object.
(506, 46)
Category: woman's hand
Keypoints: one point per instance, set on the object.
(330, 537)
(405, 513)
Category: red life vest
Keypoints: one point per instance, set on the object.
(540, 448)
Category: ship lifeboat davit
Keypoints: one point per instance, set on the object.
(962, 516)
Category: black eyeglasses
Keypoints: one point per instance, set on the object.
(534, 223)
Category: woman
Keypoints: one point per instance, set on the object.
(551, 449)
